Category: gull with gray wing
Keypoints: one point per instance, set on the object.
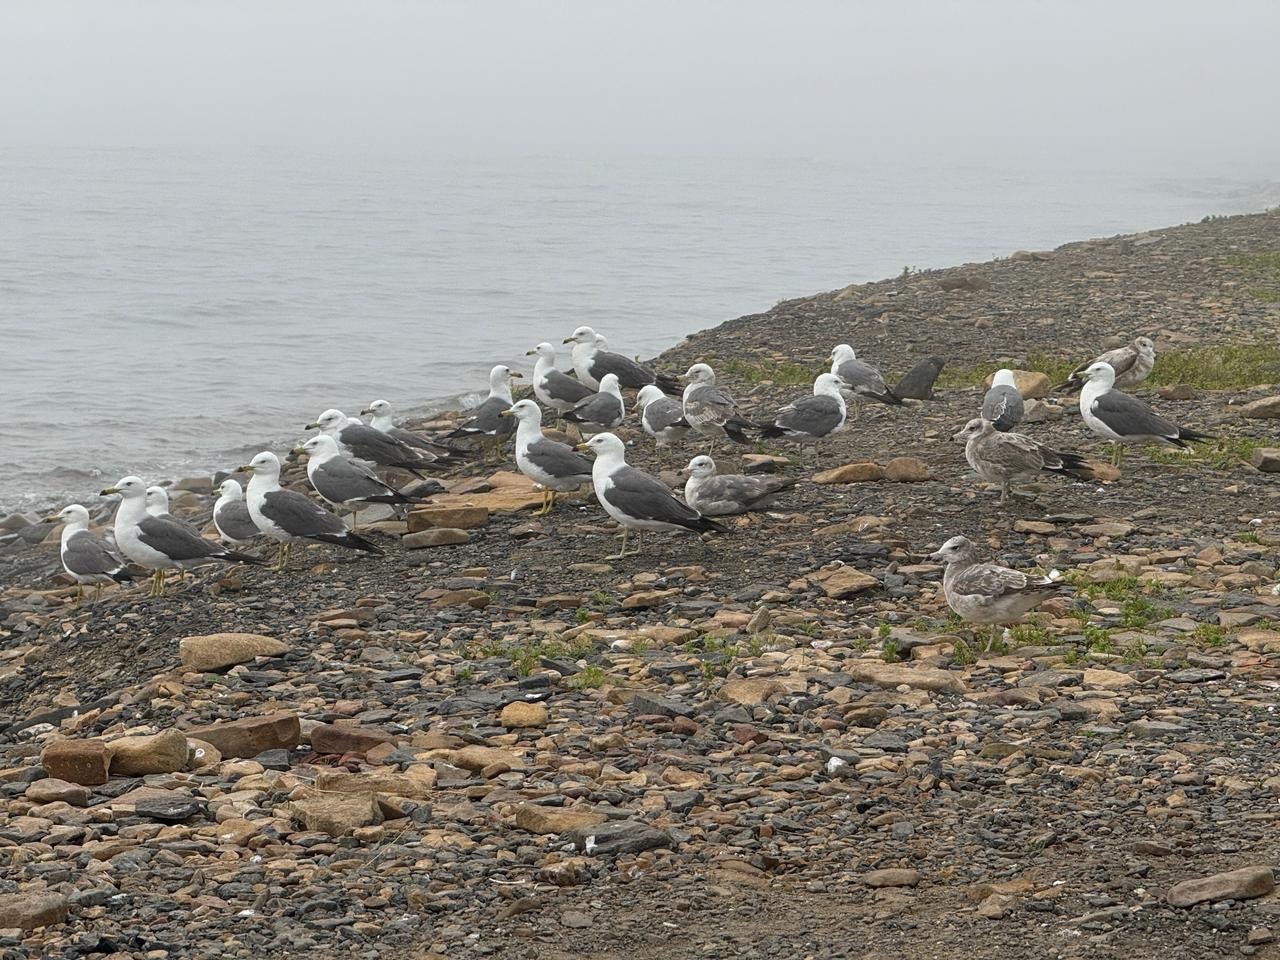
(600, 411)
(486, 418)
(1132, 363)
(1120, 418)
(815, 417)
(591, 362)
(860, 377)
(661, 417)
(722, 494)
(1003, 405)
(344, 482)
(231, 514)
(710, 411)
(373, 446)
(554, 466)
(555, 390)
(1009, 458)
(86, 558)
(382, 418)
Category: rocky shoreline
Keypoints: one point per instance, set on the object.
(776, 743)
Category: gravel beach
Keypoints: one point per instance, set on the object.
(775, 743)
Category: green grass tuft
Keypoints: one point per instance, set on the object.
(792, 374)
(1263, 267)
(1225, 453)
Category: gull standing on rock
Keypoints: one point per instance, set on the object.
(86, 558)
(717, 495)
(1008, 458)
(373, 446)
(1132, 363)
(1120, 418)
(286, 515)
(554, 466)
(600, 411)
(161, 543)
(710, 411)
(345, 483)
(862, 378)
(661, 417)
(987, 593)
(486, 419)
(813, 418)
(382, 418)
(635, 499)
(1003, 405)
(231, 514)
(591, 362)
(555, 390)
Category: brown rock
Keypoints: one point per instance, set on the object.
(203, 754)
(538, 819)
(53, 790)
(217, 650)
(86, 762)
(1032, 384)
(750, 691)
(480, 758)
(31, 910)
(1266, 459)
(866, 472)
(327, 738)
(457, 518)
(435, 537)
(890, 675)
(1266, 408)
(844, 582)
(907, 470)
(1107, 528)
(649, 598)
(891, 877)
(1038, 527)
(335, 815)
(475, 599)
(1243, 884)
(519, 715)
(252, 735)
(416, 783)
(164, 752)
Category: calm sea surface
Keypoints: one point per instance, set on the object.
(167, 313)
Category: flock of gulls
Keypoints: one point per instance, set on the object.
(349, 462)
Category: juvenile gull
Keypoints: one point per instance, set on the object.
(600, 411)
(373, 446)
(86, 558)
(1120, 418)
(592, 362)
(987, 593)
(1132, 363)
(554, 466)
(344, 482)
(1009, 458)
(231, 514)
(556, 390)
(812, 418)
(635, 499)
(1003, 404)
(286, 515)
(862, 378)
(710, 411)
(382, 418)
(160, 543)
(485, 419)
(661, 417)
(716, 495)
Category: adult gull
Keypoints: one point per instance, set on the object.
(1003, 404)
(1009, 458)
(815, 417)
(591, 362)
(721, 494)
(286, 515)
(86, 558)
(1132, 363)
(161, 543)
(485, 419)
(862, 378)
(554, 466)
(373, 446)
(1120, 418)
(601, 411)
(344, 482)
(382, 417)
(987, 593)
(635, 499)
(231, 514)
(554, 389)
(710, 411)
(661, 417)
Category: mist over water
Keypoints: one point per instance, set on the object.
(166, 312)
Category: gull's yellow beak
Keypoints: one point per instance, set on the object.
(312, 426)
(365, 413)
(583, 447)
(243, 468)
(51, 518)
(506, 413)
(530, 353)
(108, 491)
(517, 375)
(567, 340)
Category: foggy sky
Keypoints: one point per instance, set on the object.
(1111, 83)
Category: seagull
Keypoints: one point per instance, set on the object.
(231, 514)
(812, 418)
(553, 465)
(661, 417)
(987, 593)
(86, 558)
(382, 417)
(708, 410)
(344, 482)
(635, 499)
(485, 419)
(862, 378)
(1008, 458)
(1132, 363)
(158, 506)
(372, 445)
(556, 390)
(917, 383)
(592, 362)
(600, 411)
(1120, 418)
(1003, 403)
(161, 543)
(286, 515)
(718, 495)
